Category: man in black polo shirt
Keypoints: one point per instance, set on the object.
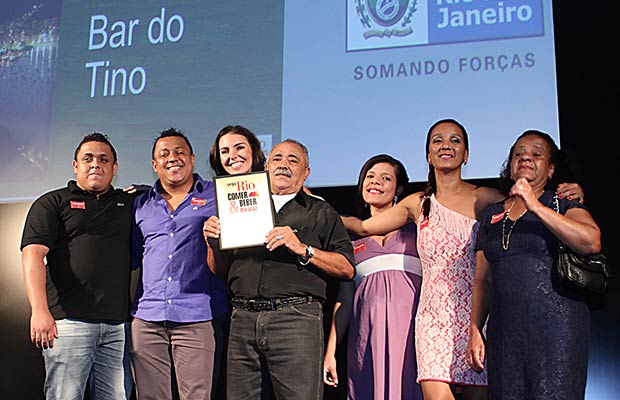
(276, 335)
(80, 299)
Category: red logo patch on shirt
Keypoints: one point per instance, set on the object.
(78, 204)
(198, 201)
(424, 223)
(359, 247)
(497, 217)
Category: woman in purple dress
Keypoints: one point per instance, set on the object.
(384, 293)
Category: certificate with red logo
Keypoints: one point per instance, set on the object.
(245, 210)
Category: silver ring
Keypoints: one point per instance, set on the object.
(278, 237)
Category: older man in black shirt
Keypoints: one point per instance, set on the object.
(276, 332)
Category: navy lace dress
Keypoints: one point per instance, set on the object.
(538, 329)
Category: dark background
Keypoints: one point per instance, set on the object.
(589, 91)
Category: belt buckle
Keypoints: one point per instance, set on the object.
(260, 305)
(251, 305)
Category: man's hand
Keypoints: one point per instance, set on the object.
(43, 329)
(211, 228)
(136, 188)
(285, 236)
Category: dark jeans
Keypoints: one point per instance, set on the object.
(276, 353)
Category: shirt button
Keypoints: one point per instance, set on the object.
(171, 234)
(169, 256)
(169, 278)
(171, 215)
(169, 301)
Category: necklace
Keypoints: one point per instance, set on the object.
(506, 237)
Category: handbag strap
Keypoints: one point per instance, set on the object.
(556, 207)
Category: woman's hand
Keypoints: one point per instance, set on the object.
(475, 352)
(330, 375)
(571, 191)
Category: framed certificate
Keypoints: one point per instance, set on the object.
(245, 209)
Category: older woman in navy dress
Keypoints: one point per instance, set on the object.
(539, 327)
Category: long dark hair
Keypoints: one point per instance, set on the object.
(564, 170)
(431, 184)
(402, 181)
(258, 157)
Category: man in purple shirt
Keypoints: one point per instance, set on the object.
(180, 310)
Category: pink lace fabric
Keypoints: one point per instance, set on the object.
(446, 249)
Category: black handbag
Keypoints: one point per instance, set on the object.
(589, 273)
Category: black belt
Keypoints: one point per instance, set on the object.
(270, 304)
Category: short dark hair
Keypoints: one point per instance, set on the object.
(95, 137)
(564, 170)
(171, 132)
(402, 181)
(258, 157)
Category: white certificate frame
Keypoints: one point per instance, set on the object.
(245, 209)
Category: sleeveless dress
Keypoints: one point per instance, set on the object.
(381, 354)
(538, 328)
(446, 243)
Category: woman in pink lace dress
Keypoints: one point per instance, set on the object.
(446, 215)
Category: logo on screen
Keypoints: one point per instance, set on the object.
(376, 24)
(380, 24)
(385, 18)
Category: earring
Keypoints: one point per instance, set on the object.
(395, 200)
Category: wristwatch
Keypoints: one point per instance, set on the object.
(304, 260)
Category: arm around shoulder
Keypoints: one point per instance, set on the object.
(396, 217)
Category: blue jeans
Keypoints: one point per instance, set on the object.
(88, 352)
(276, 353)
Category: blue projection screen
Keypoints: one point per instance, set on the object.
(349, 79)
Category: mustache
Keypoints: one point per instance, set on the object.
(282, 171)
